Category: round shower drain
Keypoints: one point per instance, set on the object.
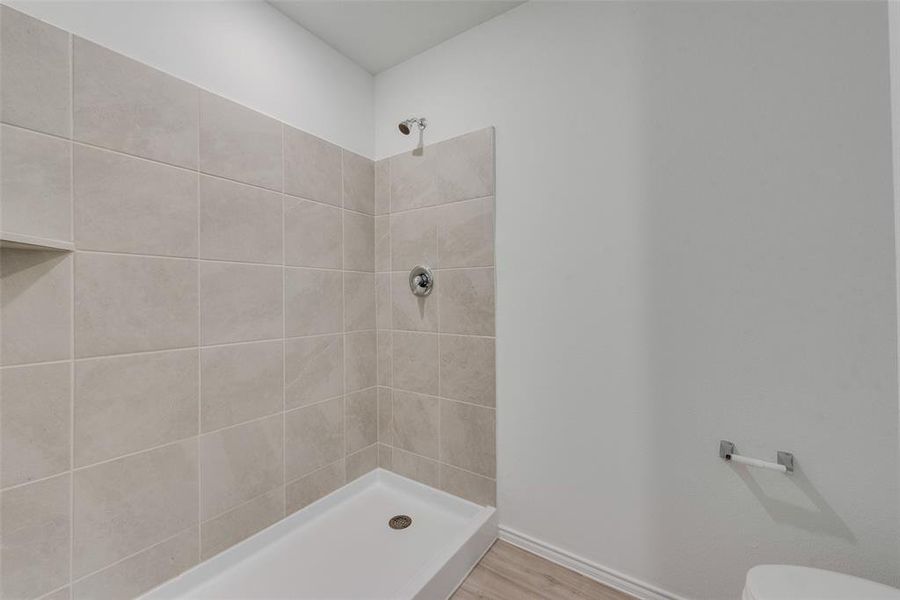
(400, 522)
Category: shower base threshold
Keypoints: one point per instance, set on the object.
(341, 547)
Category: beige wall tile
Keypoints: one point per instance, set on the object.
(124, 105)
(468, 437)
(361, 362)
(383, 301)
(240, 303)
(382, 243)
(466, 300)
(239, 222)
(416, 362)
(383, 187)
(314, 302)
(361, 419)
(468, 370)
(411, 312)
(384, 456)
(359, 301)
(34, 74)
(153, 496)
(314, 369)
(474, 488)
(306, 490)
(458, 169)
(413, 466)
(143, 571)
(385, 416)
(312, 167)
(313, 234)
(240, 383)
(131, 303)
(35, 306)
(36, 185)
(34, 526)
(240, 463)
(416, 423)
(239, 143)
(414, 239)
(130, 403)
(384, 350)
(34, 431)
(359, 242)
(360, 463)
(359, 183)
(238, 524)
(314, 437)
(466, 234)
(126, 204)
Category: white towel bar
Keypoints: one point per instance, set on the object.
(785, 460)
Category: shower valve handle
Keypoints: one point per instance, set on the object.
(421, 281)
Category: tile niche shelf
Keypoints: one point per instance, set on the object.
(21, 241)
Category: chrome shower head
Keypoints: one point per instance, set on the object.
(405, 128)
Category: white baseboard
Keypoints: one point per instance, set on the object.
(606, 576)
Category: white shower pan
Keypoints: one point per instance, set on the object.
(341, 547)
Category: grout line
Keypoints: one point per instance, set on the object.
(61, 138)
(37, 480)
(454, 334)
(352, 271)
(463, 470)
(433, 206)
(51, 592)
(364, 448)
(71, 557)
(343, 323)
(444, 398)
(178, 349)
(83, 144)
(471, 268)
(200, 468)
(439, 333)
(76, 142)
(340, 461)
(188, 258)
(390, 173)
(328, 204)
(240, 505)
(283, 332)
(441, 462)
(236, 425)
(130, 556)
(137, 452)
(203, 173)
(437, 299)
(36, 364)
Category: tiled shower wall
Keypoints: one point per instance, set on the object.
(436, 370)
(204, 362)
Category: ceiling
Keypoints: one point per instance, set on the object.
(378, 34)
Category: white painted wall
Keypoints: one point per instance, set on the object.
(694, 242)
(894, 27)
(245, 51)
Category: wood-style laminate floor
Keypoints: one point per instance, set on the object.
(510, 573)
